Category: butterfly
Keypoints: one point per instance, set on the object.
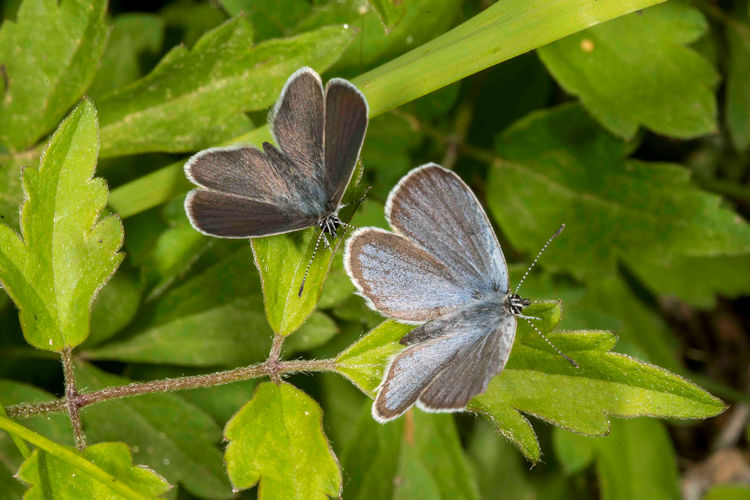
(247, 193)
(442, 267)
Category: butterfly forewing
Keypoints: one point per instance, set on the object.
(345, 127)
(433, 207)
(229, 216)
(244, 172)
(297, 122)
(399, 278)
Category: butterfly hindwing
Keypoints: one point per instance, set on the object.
(453, 360)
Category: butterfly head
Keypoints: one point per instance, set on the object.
(515, 304)
(330, 224)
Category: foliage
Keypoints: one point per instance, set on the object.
(65, 255)
(630, 123)
(277, 438)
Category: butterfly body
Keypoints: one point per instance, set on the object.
(441, 268)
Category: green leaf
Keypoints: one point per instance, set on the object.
(363, 362)
(116, 305)
(270, 18)
(50, 477)
(277, 438)
(196, 92)
(728, 492)
(150, 190)
(390, 140)
(390, 12)
(191, 20)
(133, 36)
(636, 71)
(106, 469)
(20, 444)
(419, 456)
(55, 427)
(10, 185)
(214, 318)
(696, 280)
(502, 31)
(9, 8)
(410, 24)
(559, 166)
(282, 260)
(737, 91)
(316, 331)
(50, 54)
(166, 432)
(538, 381)
(489, 454)
(636, 460)
(164, 245)
(338, 287)
(575, 452)
(67, 253)
(608, 303)
(434, 462)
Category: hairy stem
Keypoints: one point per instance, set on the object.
(71, 396)
(172, 384)
(273, 363)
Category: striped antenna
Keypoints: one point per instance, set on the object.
(536, 259)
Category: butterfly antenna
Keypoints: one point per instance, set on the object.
(309, 263)
(558, 351)
(536, 259)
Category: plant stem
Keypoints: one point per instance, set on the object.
(273, 363)
(173, 384)
(71, 395)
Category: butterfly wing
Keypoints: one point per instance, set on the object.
(400, 279)
(297, 122)
(456, 362)
(471, 370)
(245, 193)
(229, 216)
(435, 208)
(345, 127)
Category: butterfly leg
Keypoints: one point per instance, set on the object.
(328, 244)
(528, 317)
(558, 351)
